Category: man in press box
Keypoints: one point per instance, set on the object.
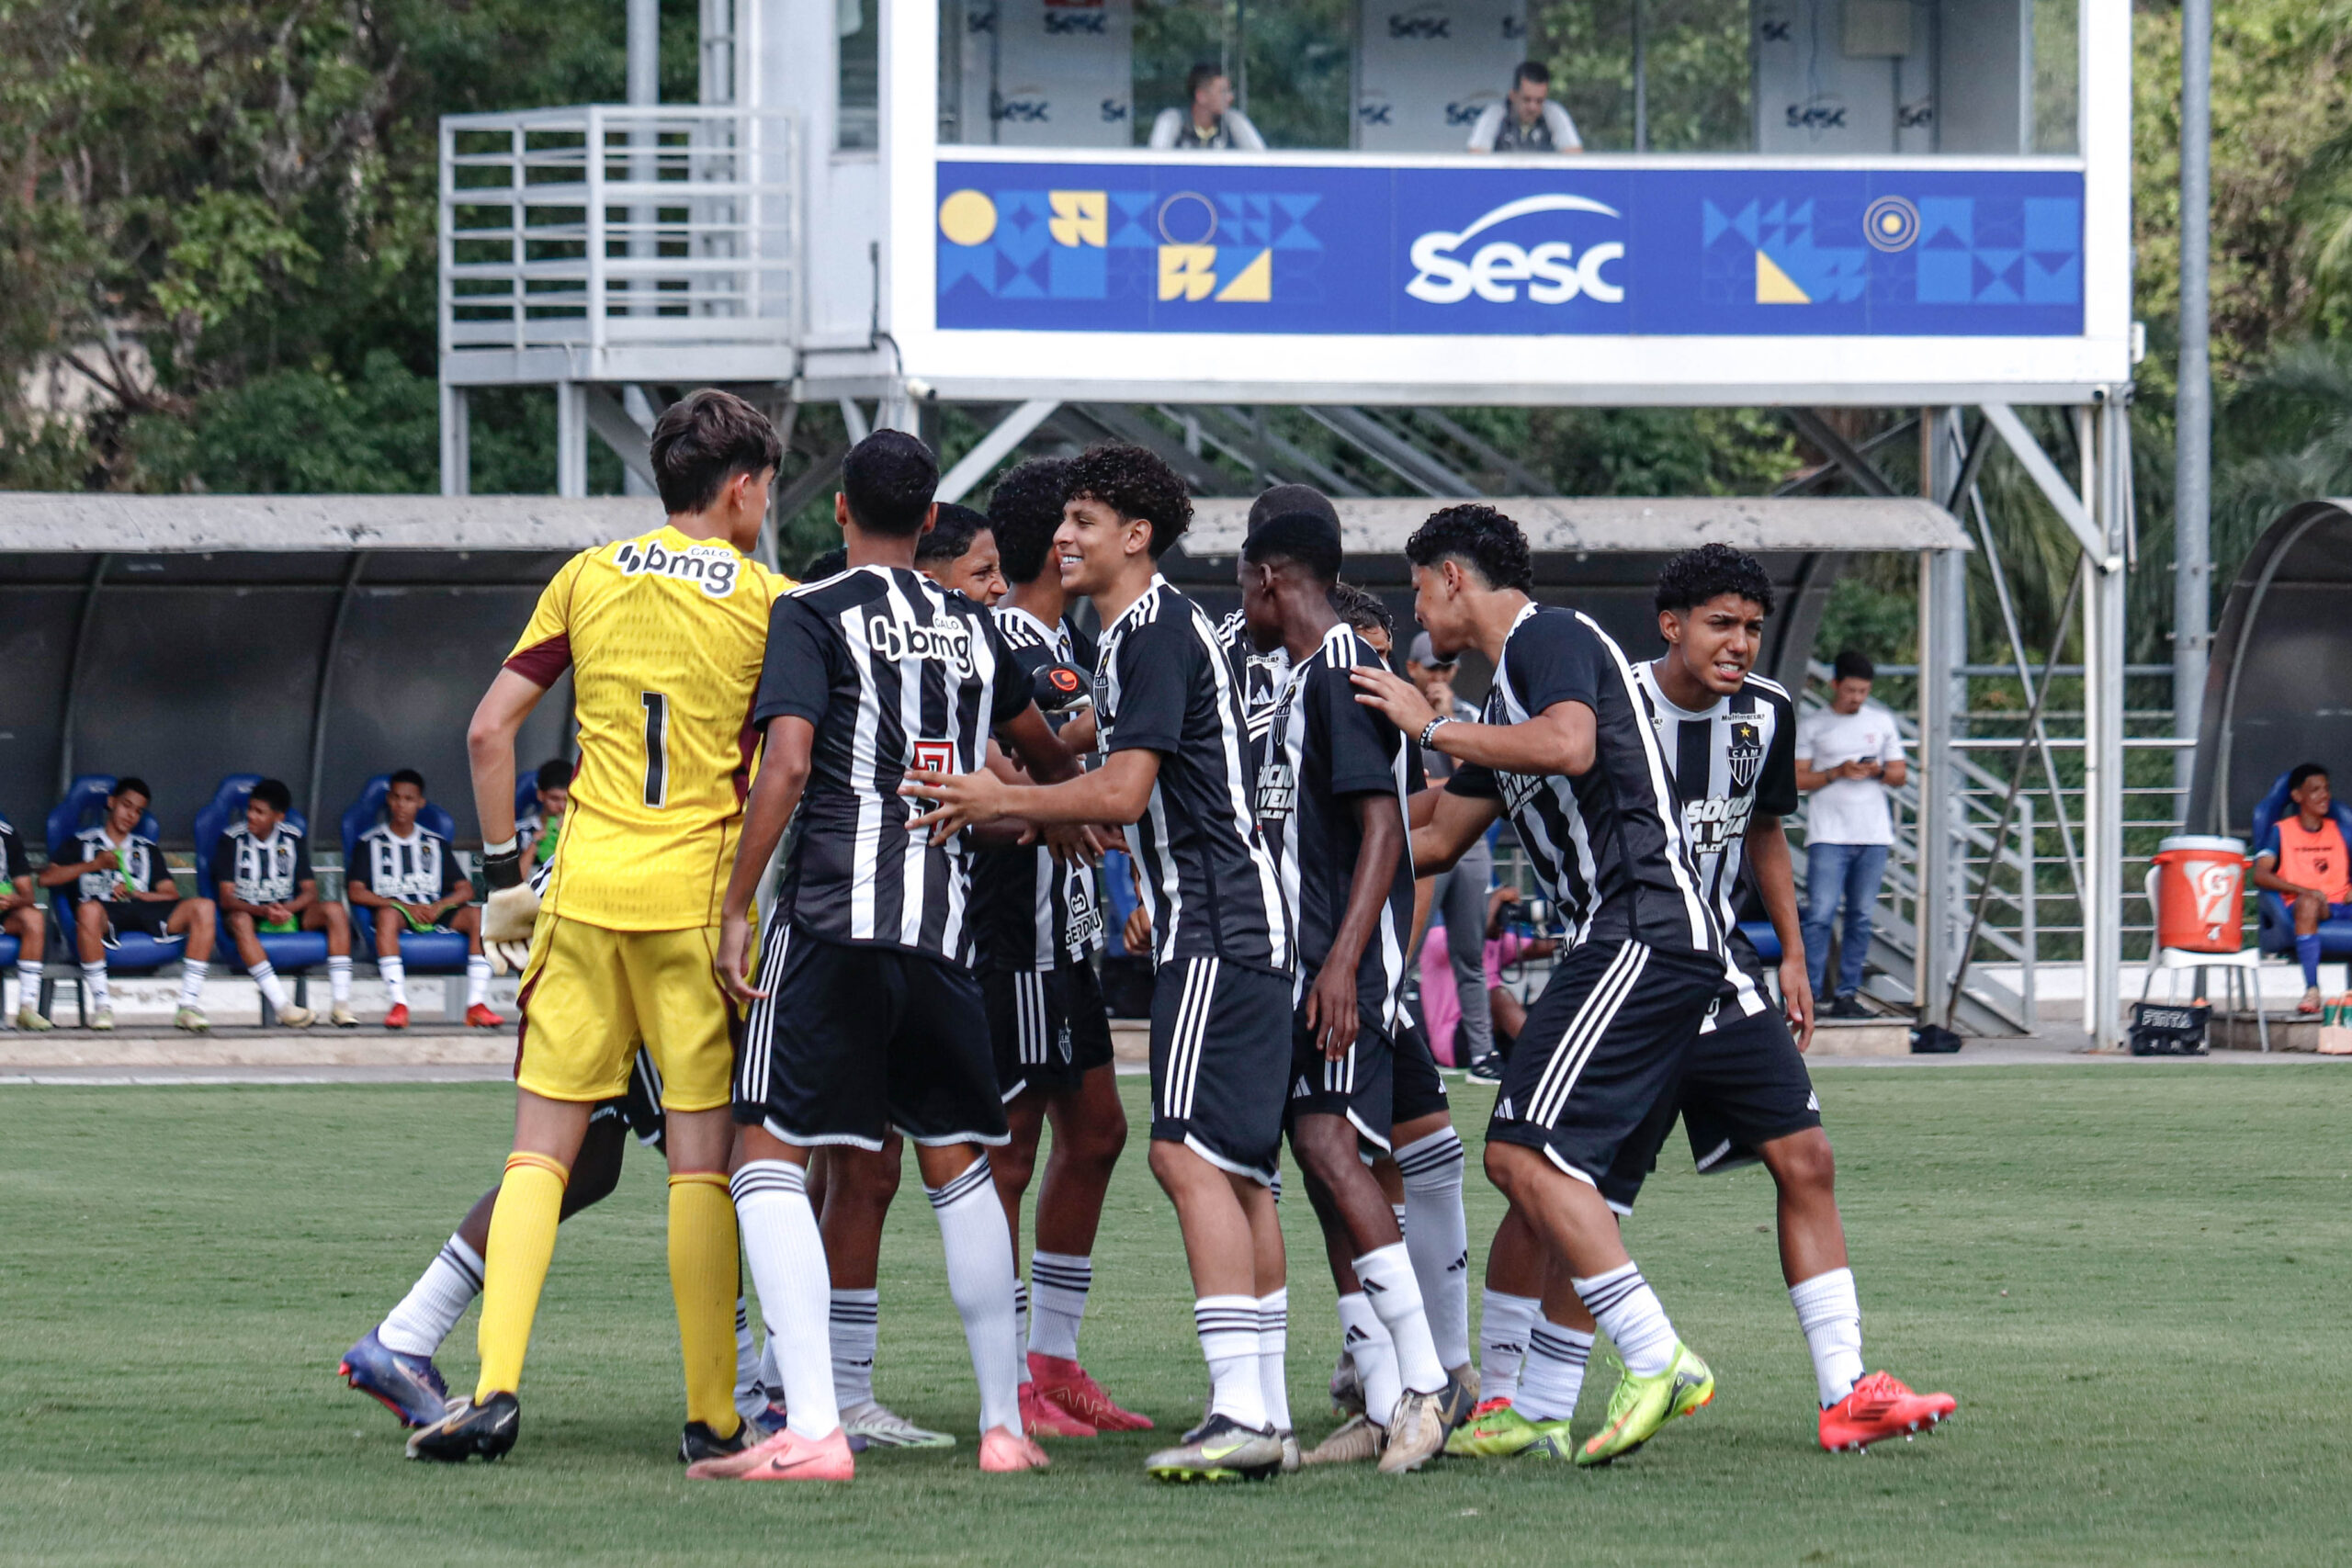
(1528, 121)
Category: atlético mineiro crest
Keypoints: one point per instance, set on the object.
(1747, 752)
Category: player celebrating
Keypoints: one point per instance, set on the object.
(1332, 779)
(1169, 714)
(861, 1019)
(1567, 749)
(663, 635)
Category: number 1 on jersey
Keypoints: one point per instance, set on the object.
(657, 750)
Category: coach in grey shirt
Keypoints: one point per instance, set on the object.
(1461, 894)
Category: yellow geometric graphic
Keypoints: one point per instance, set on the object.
(968, 217)
(1255, 284)
(1081, 217)
(1187, 272)
(1774, 287)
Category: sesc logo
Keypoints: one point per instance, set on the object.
(713, 567)
(1554, 271)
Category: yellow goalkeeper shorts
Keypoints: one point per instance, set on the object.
(589, 994)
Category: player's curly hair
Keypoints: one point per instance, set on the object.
(1481, 539)
(1362, 609)
(952, 533)
(1135, 483)
(1025, 509)
(1710, 571)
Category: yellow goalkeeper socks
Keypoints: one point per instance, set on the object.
(515, 1268)
(705, 1277)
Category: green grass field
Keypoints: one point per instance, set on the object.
(2133, 1277)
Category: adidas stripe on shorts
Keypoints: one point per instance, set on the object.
(1220, 1060)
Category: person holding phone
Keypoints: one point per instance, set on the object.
(1847, 758)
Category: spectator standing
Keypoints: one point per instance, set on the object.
(120, 883)
(1460, 895)
(1527, 120)
(1847, 758)
(1211, 124)
(21, 917)
(262, 867)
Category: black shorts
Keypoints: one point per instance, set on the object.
(1360, 1085)
(1220, 1062)
(1048, 1027)
(1419, 1092)
(1603, 1045)
(640, 1107)
(852, 1041)
(148, 917)
(1744, 1084)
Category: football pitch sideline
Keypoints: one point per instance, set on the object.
(2134, 1278)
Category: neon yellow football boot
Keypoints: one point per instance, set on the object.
(1642, 1405)
(1496, 1430)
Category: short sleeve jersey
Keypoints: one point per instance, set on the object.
(12, 853)
(262, 871)
(2311, 860)
(1163, 682)
(1322, 750)
(139, 868)
(1607, 845)
(418, 869)
(663, 635)
(1029, 912)
(894, 672)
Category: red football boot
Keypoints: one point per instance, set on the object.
(398, 1017)
(1042, 1418)
(480, 1016)
(1071, 1389)
(1881, 1407)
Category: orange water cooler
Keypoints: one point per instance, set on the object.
(2200, 894)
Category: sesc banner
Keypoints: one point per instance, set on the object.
(1565, 250)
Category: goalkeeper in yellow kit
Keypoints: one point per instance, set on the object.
(664, 636)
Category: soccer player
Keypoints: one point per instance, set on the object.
(1174, 744)
(1332, 777)
(959, 553)
(2304, 860)
(863, 1016)
(1039, 922)
(263, 868)
(1262, 674)
(120, 883)
(663, 635)
(1567, 749)
(21, 917)
(540, 835)
(407, 875)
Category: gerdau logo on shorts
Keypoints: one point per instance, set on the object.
(713, 567)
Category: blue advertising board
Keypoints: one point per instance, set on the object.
(1517, 252)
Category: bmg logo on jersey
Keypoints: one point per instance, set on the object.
(946, 640)
(1554, 247)
(714, 568)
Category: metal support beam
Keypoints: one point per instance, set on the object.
(853, 420)
(2052, 484)
(570, 439)
(994, 447)
(322, 704)
(611, 420)
(457, 440)
(638, 407)
(810, 482)
(1391, 451)
(1125, 424)
(85, 628)
(1942, 582)
(2192, 600)
(2105, 437)
(1817, 430)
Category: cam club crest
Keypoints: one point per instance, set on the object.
(1747, 752)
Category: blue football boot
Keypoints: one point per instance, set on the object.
(408, 1386)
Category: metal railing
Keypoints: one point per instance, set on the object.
(604, 224)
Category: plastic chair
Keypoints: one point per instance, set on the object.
(134, 953)
(428, 952)
(2275, 926)
(1763, 938)
(289, 953)
(2242, 969)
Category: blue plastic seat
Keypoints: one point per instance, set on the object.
(289, 953)
(429, 952)
(1766, 940)
(2275, 932)
(8, 944)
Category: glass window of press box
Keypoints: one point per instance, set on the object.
(1802, 77)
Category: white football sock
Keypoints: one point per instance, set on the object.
(978, 1243)
(1057, 1285)
(434, 1303)
(1273, 1357)
(1831, 1316)
(750, 1395)
(1386, 1275)
(1622, 1303)
(1503, 1323)
(28, 982)
(1553, 1374)
(787, 1257)
(265, 977)
(1227, 1327)
(394, 974)
(477, 979)
(1021, 1325)
(192, 973)
(856, 1329)
(1398, 1210)
(94, 983)
(339, 977)
(1439, 1239)
(771, 1375)
(1366, 1338)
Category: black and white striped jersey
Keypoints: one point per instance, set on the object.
(1322, 750)
(13, 863)
(262, 871)
(1029, 912)
(419, 869)
(1162, 683)
(1607, 846)
(1261, 674)
(139, 865)
(894, 672)
(1730, 761)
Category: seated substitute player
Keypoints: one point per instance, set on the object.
(1567, 749)
(21, 917)
(862, 1018)
(1332, 776)
(405, 875)
(663, 636)
(959, 553)
(120, 883)
(262, 869)
(1039, 922)
(544, 830)
(2304, 860)
(1173, 740)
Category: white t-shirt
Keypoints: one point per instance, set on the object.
(1556, 120)
(1850, 811)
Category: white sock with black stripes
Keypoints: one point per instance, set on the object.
(1503, 1323)
(272, 990)
(27, 985)
(750, 1395)
(1021, 1321)
(1059, 1282)
(855, 1331)
(1398, 1210)
(1553, 1374)
(1227, 1327)
(339, 977)
(1831, 1316)
(787, 1253)
(393, 970)
(1273, 1357)
(94, 984)
(1439, 1239)
(1622, 1303)
(192, 973)
(433, 1305)
(477, 979)
(978, 1243)
(1386, 1275)
(1366, 1338)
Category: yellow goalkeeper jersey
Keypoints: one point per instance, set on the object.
(664, 636)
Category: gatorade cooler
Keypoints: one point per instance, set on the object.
(2200, 894)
